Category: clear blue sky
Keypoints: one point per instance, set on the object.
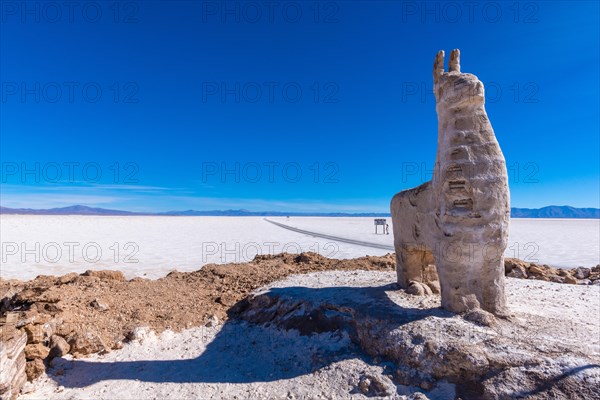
(170, 93)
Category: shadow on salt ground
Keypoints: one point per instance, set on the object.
(244, 352)
(559, 380)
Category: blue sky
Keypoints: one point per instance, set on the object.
(299, 106)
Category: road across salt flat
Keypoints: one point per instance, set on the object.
(336, 238)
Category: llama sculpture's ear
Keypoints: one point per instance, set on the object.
(438, 66)
(454, 63)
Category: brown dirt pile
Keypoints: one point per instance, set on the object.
(98, 310)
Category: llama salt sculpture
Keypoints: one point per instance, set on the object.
(459, 220)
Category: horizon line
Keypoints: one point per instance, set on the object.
(80, 209)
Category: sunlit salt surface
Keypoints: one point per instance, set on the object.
(153, 246)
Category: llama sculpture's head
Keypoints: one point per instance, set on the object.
(468, 152)
(454, 89)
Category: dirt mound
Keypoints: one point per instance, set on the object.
(98, 310)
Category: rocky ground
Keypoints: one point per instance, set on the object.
(99, 311)
(548, 348)
(516, 268)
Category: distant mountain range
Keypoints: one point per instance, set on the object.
(555, 212)
(544, 212)
(84, 210)
(71, 210)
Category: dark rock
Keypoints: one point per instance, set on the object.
(58, 346)
(106, 275)
(570, 280)
(418, 289)
(582, 273)
(480, 317)
(518, 271)
(83, 343)
(371, 385)
(99, 305)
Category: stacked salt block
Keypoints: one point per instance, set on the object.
(12, 361)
